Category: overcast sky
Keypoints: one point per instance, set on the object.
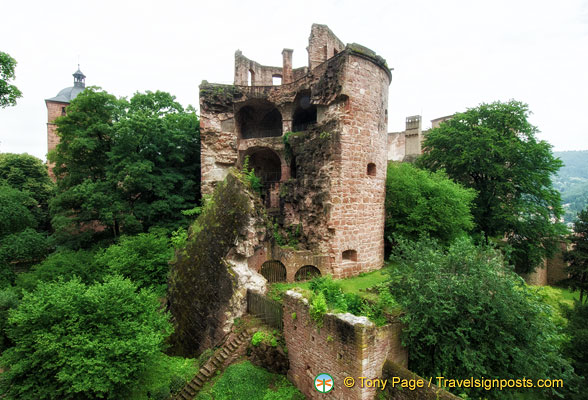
(447, 55)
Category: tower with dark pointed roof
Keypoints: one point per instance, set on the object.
(56, 108)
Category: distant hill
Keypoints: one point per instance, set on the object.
(572, 182)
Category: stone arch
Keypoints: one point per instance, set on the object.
(305, 113)
(307, 272)
(371, 169)
(273, 271)
(258, 119)
(266, 163)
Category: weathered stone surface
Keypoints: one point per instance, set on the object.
(272, 358)
(210, 277)
(393, 370)
(330, 180)
(345, 346)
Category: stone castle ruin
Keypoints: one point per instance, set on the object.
(316, 136)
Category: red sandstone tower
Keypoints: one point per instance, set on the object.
(317, 137)
(56, 108)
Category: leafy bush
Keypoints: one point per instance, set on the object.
(577, 347)
(250, 178)
(467, 314)
(64, 264)
(166, 376)
(74, 341)
(337, 301)
(143, 258)
(268, 338)
(246, 381)
(318, 308)
(419, 202)
(8, 300)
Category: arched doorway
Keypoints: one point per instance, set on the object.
(307, 272)
(273, 271)
(267, 166)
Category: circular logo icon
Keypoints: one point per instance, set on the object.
(323, 383)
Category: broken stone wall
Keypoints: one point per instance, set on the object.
(345, 345)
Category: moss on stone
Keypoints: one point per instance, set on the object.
(201, 282)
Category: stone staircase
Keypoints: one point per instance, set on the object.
(210, 368)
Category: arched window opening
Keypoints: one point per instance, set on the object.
(371, 169)
(306, 273)
(304, 114)
(267, 165)
(277, 80)
(259, 119)
(273, 271)
(350, 255)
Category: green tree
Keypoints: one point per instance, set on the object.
(419, 203)
(20, 242)
(493, 149)
(467, 314)
(124, 166)
(577, 329)
(29, 174)
(577, 257)
(8, 93)
(73, 341)
(63, 264)
(143, 258)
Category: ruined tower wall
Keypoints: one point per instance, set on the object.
(327, 179)
(358, 194)
(322, 45)
(54, 110)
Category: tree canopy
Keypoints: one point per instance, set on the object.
(577, 257)
(8, 93)
(467, 314)
(25, 189)
(419, 202)
(493, 149)
(73, 341)
(123, 166)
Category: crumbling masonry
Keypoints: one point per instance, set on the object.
(316, 136)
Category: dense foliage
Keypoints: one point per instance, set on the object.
(63, 265)
(25, 190)
(466, 314)
(143, 258)
(124, 166)
(419, 202)
(74, 341)
(8, 92)
(577, 257)
(577, 329)
(246, 381)
(572, 182)
(493, 149)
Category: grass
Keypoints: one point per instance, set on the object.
(359, 285)
(246, 381)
